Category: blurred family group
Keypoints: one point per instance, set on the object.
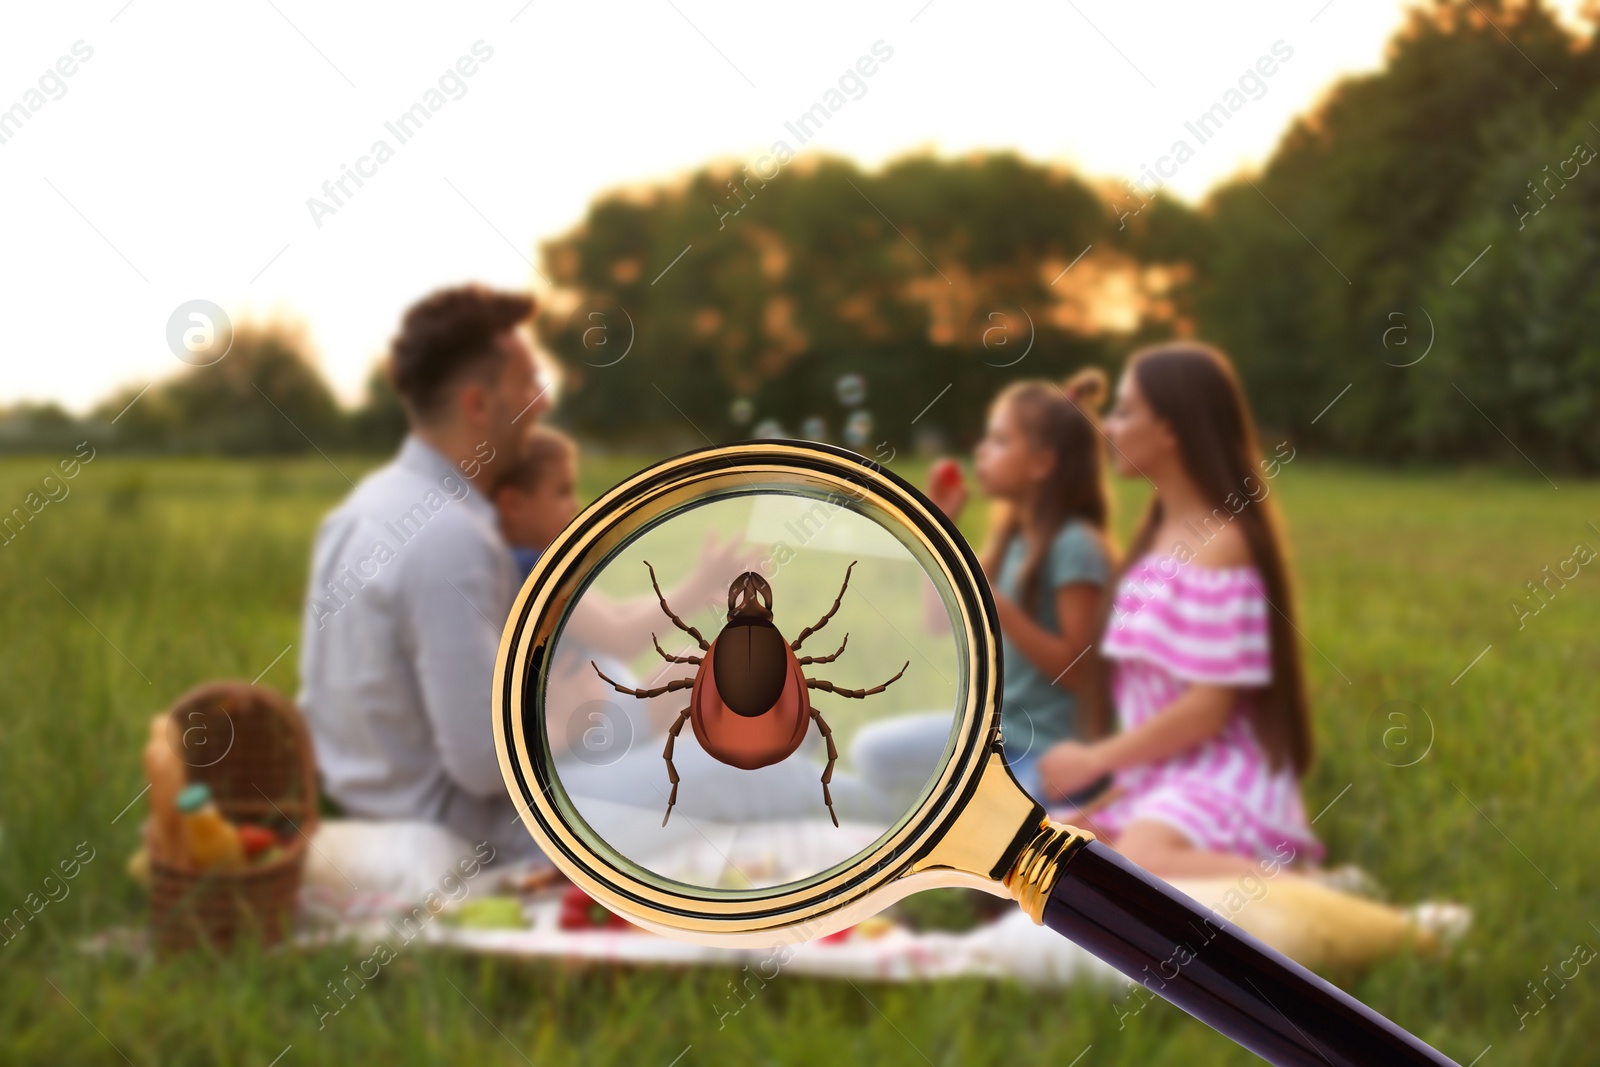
(1154, 692)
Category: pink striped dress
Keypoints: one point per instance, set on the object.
(1173, 625)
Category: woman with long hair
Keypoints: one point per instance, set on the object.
(1201, 655)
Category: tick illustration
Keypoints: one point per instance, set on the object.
(749, 700)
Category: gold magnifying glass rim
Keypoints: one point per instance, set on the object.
(936, 844)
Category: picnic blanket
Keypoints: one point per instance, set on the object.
(383, 880)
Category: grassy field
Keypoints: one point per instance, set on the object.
(154, 575)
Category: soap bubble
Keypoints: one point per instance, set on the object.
(741, 411)
(851, 389)
(768, 428)
(858, 429)
(814, 429)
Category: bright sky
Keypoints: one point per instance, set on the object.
(175, 162)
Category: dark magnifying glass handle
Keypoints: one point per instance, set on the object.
(1216, 972)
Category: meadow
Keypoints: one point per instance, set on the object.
(1458, 760)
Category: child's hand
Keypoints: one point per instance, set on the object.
(947, 488)
(1067, 767)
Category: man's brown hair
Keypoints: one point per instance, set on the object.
(448, 336)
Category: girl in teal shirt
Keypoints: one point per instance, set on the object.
(1042, 464)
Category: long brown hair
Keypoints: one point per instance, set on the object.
(1193, 388)
(1061, 419)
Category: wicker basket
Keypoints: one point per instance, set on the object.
(250, 746)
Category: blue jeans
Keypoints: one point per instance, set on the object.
(897, 756)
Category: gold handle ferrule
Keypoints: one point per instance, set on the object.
(1038, 867)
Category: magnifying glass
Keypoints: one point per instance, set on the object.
(751, 696)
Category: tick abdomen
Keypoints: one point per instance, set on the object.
(751, 665)
(776, 730)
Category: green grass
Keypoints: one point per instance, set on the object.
(155, 575)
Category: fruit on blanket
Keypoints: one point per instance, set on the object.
(874, 927)
(580, 911)
(946, 474)
(868, 929)
(489, 913)
(256, 839)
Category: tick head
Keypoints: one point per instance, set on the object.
(749, 596)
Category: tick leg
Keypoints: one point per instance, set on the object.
(828, 687)
(643, 694)
(679, 623)
(833, 754)
(809, 630)
(666, 754)
(676, 659)
(826, 659)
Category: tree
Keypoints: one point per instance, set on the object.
(264, 396)
(767, 290)
(379, 424)
(1358, 217)
(1519, 354)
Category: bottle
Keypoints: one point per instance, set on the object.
(166, 777)
(210, 842)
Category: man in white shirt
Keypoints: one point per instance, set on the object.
(411, 582)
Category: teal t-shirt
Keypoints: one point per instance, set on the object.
(1034, 712)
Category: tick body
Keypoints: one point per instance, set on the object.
(750, 700)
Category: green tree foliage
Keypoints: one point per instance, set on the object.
(926, 274)
(264, 396)
(1520, 325)
(1349, 241)
(379, 424)
(38, 427)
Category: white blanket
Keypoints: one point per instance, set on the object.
(362, 875)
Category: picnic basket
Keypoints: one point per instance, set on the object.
(250, 746)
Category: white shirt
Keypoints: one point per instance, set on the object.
(411, 584)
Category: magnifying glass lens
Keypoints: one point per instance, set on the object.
(753, 689)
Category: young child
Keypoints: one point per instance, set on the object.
(536, 499)
(1041, 463)
(1205, 669)
(538, 496)
(608, 747)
